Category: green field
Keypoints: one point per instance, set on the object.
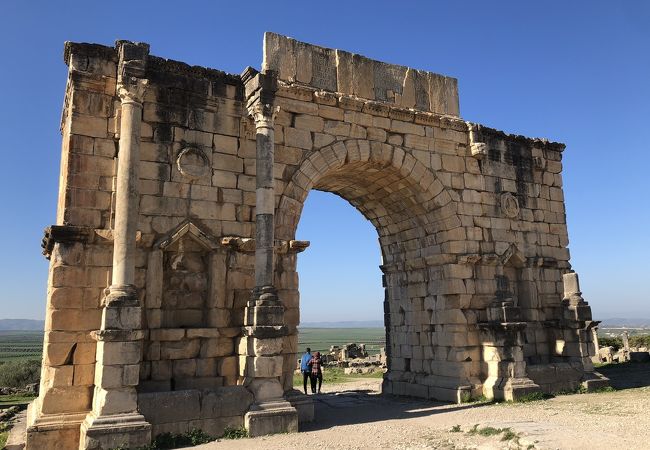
(320, 339)
(20, 345)
(26, 345)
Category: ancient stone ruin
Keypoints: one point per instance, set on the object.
(173, 297)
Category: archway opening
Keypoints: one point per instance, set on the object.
(411, 214)
(341, 290)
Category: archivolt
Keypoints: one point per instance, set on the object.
(401, 197)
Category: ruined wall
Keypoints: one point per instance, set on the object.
(467, 217)
(470, 220)
(194, 189)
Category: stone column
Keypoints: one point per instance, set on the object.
(261, 348)
(577, 324)
(114, 420)
(264, 116)
(594, 337)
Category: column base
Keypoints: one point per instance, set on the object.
(108, 432)
(509, 389)
(51, 431)
(271, 418)
(304, 404)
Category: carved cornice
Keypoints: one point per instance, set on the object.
(63, 234)
(484, 134)
(247, 245)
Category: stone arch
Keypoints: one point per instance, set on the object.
(375, 157)
(417, 221)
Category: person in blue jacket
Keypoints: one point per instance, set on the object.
(305, 368)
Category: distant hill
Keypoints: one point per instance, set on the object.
(625, 323)
(345, 324)
(21, 325)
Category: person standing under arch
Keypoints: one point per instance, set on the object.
(316, 373)
(305, 368)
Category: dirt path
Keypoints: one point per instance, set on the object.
(354, 416)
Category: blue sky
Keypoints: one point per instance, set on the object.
(576, 72)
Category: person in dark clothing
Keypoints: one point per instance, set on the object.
(316, 372)
(305, 368)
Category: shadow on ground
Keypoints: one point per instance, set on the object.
(364, 406)
(627, 375)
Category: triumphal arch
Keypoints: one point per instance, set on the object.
(173, 298)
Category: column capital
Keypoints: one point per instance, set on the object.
(132, 90)
(263, 114)
(131, 71)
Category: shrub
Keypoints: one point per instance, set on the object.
(169, 440)
(235, 433)
(640, 340)
(489, 431)
(18, 374)
(532, 397)
(615, 342)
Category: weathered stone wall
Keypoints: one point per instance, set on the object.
(466, 216)
(470, 220)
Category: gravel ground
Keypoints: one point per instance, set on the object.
(354, 416)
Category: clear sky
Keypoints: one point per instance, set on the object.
(576, 72)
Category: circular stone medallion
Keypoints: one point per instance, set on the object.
(193, 163)
(509, 205)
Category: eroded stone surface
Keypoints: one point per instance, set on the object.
(480, 298)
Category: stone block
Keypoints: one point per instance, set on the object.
(180, 427)
(202, 333)
(115, 401)
(167, 334)
(154, 386)
(260, 366)
(227, 162)
(184, 368)
(215, 347)
(66, 399)
(161, 370)
(228, 366)
(337, 128)
(58, 354)
(266, 390)
(309, 123)
(88, 125)
(58, 376)
(216, 426)
(110, 377)
(225, 401)
(298, 138)
(265, 347)
(281, 420)
(84, 374)
(169, 407)
(114, 353)
(198, 383)
(66, 298)
(188, 348)
(55, 438)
